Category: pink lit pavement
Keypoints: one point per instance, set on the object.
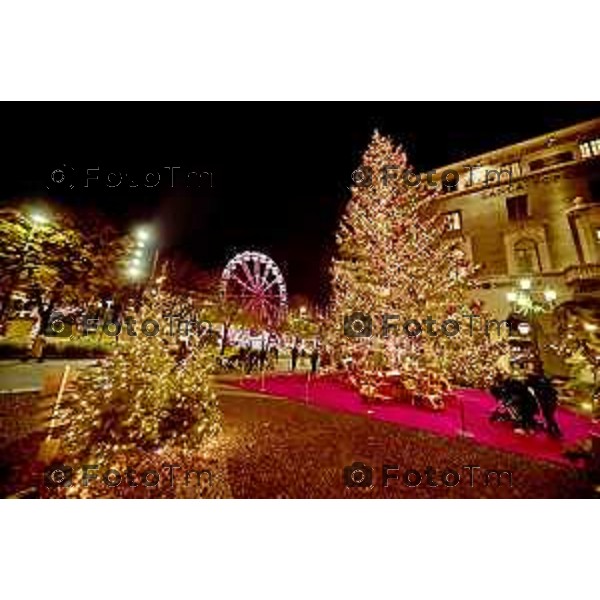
(477, 406)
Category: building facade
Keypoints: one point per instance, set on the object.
(529, 214)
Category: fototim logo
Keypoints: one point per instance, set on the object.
(360, 325)
(360, 475)
(59, 475)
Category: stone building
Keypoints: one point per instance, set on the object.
(529, 216)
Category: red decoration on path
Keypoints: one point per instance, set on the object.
(478, 405)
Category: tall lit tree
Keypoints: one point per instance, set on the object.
(395, 257)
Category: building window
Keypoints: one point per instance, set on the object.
(590, 148)
(459, 264)
(517, 208)
(550, 161)
(536, 165)
(453, 220)
(527, 258)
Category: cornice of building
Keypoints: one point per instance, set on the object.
(506, 154)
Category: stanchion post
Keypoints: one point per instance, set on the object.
(307, 384)
(50, 447)
(463, 431)
(61, 391)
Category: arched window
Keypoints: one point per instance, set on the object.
(458, 263)
(527, 258)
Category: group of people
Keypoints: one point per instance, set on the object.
(522, 399)
(300, 352)
(249, 359)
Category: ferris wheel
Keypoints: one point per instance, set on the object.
(255, 282)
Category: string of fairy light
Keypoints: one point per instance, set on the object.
(393, 257)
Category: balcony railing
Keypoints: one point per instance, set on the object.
(582, 273)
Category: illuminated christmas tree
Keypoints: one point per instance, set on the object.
(395, 256)
(144, 397)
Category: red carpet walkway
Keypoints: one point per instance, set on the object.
(478, 405)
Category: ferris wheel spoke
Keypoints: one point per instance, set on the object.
(249, 305)
(256, 270)
(242, 283)
(271, 284)
(268, 268)
(249, 277)
(272, 308)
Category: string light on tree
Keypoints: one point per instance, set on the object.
(395, 257)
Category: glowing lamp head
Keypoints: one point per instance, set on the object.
(524, 328)
(511, 296)
(522, 301)
(550, 295)
(525, 284)
(134, 272)
(39, 218)
(143, 235)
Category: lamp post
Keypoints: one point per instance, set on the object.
(529, 302)
(35, 221)
(141, 266)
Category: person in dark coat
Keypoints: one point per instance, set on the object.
(547, 398)
(294, 356)
(262, 358)
(525, 403)
(314, 360)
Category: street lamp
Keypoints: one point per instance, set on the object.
(142, 234)
(525, 284)
(529, 302)
(39, 218)
(141, 263)
(134, 272)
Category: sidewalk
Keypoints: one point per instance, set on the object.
(17, 376)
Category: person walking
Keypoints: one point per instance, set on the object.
(294, 356)
(314, 360)
(525, 404)
(547, 398)
(38, 346)
(262, 358)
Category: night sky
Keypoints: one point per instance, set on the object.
(280, 172)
